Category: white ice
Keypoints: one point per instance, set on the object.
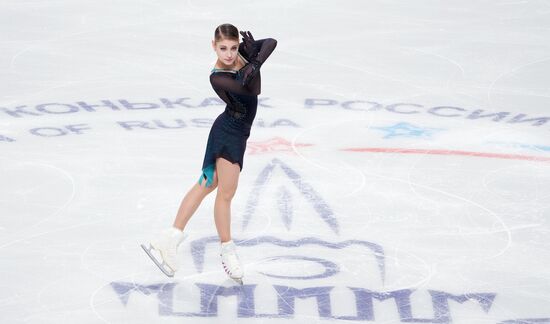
(398, 169)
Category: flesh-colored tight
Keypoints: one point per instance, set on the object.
(226, 178)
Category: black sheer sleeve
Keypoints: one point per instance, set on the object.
(260, 50)
(222, 82)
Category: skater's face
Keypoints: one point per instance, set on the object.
(226, 49)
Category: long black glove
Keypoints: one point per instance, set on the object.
(249, 71)
(260, 50)
(251, 47)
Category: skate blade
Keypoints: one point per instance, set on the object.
(239, 281)
(162, 266)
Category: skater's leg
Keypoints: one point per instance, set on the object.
(228, 177)
(163, 248)
(192, 200)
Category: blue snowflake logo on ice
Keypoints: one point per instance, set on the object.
(407, 130)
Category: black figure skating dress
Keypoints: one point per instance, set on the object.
(231, 129)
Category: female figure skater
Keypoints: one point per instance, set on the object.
(236, 79)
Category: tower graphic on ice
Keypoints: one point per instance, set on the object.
(310, 250)
(284, 199)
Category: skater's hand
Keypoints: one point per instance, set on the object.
(249, 46)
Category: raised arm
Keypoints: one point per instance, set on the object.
(260, 49)
(267, 46)
(258, 55)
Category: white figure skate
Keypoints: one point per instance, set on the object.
(230, 261)
(163, 250)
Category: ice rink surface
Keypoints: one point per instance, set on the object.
(398, 169)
